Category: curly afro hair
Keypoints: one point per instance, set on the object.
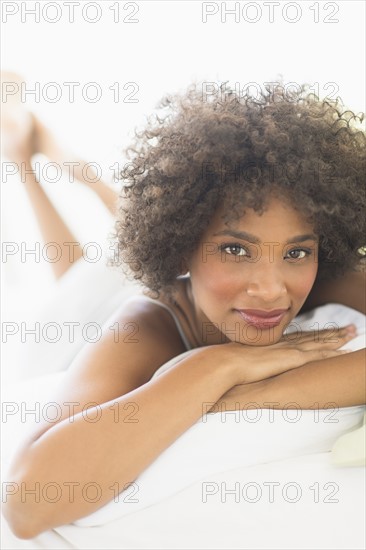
(200, 150)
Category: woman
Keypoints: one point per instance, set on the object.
(235, 215)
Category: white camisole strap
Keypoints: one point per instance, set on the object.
(176, 320)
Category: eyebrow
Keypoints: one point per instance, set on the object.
(243, 235)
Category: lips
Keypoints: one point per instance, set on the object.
(262, 318)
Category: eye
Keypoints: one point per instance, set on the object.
(234, 249)
(298, 253)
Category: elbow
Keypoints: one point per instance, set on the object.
(22, 531)
(20, 516)
(21, 524)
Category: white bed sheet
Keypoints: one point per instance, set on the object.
(183, 520)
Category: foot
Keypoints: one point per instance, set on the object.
(17, 124)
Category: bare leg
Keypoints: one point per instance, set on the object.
(47, 144)
(23, 136)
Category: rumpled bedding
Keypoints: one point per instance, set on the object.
(252, 479)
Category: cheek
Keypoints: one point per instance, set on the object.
(215, 279)
(303, 283)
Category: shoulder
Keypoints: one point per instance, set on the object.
(136, 340)
(146, 334)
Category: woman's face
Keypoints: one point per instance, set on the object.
(241, 273)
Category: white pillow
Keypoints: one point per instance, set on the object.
(222, 441)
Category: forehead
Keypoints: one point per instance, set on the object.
(278, 217)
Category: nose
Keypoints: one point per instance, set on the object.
(266, 284)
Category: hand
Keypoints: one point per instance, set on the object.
(331, 335)
(255, 363)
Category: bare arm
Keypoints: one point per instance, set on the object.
(338, 380)
(111, 453)
(116, 377)
(138, 418)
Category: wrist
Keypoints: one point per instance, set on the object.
(225, 363)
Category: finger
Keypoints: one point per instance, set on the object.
(349, 329)
(327, 335)
(326, 343)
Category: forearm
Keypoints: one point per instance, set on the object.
(339, 380)
(111, 453)
(52, 226)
